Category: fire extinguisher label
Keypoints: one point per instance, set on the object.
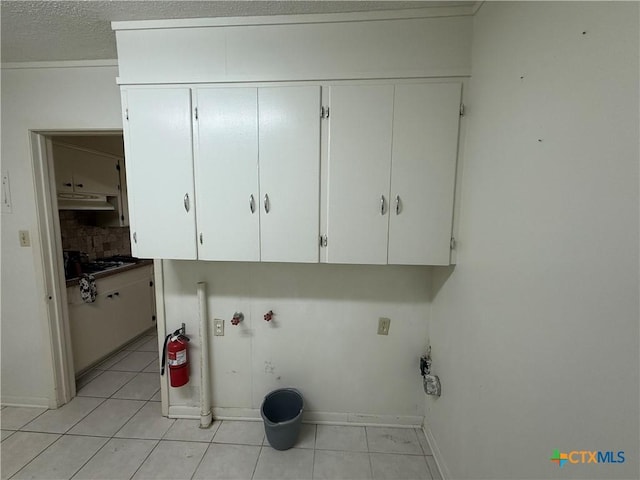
(180, 358)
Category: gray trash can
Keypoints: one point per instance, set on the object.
(282, 414)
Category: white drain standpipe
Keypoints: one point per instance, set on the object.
(206, 416)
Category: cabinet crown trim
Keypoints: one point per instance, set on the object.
(427, 12)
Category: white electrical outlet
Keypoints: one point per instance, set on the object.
(383, 326)
(25, 241)
(218, 327)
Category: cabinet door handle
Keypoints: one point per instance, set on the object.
(252, 204)
(200, 238)
(382, 202)
(186, 202)
(67, 184)
(135, 237)
(397, 204)
(80, 185)
(266, 203)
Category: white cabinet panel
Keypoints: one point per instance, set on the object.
(122, 310)
(289, 126)
(81, 171)
(227, 174)
(96, 174)
(63, 168)
(360, 127)
(425, 141)
(160, 172)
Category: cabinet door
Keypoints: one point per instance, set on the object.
(94, 173)
(63, 168)
(92, 333)
(81, 171)
(289, 140)
(425, 145)
(132, 310)
(227, 174)
(359, 173)
(160, 172)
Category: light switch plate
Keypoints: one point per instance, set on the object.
(383, 326)
(218, 327)
(6, 194)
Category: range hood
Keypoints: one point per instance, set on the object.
(84, 201)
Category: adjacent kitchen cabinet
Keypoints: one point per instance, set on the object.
(392, 164)
(158, 149)
(80, 171)
(257, 167)
(123, 309)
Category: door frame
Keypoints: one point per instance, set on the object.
(48, 221)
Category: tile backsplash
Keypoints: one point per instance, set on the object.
(79, 233)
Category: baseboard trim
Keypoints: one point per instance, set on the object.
(320, 418)
(437, 455)
(10, 401)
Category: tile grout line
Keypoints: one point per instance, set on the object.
(39, 453)
(76, 423)
(145, 458)
(130, 418)
(91, 457)
(313, 462)
(366, 436)
(255, 467)
(19, 429)
(201, 459)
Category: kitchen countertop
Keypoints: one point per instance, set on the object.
(113, 271)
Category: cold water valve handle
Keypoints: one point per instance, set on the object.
(237, 318)
(268, 316)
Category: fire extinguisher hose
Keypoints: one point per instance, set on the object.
(178, 334)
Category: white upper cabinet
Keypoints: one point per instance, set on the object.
(392, 165)
(425, 147)
(79, 170)
(158, 150)
(250, 179)
(226, 166)
(360, 129)
(289, 139)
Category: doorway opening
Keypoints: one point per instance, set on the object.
(83, 221)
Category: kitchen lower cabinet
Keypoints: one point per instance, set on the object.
(124, 308)
(158, 151)
(257, 166)
(392, 163)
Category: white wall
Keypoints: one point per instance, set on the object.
(323, 339)
(38, 99)
(535, 333)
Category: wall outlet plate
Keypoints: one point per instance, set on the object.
(218, 327)
(383, 326)
(25, 240)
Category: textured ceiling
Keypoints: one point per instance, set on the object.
(81, 30)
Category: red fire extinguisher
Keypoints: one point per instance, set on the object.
(176, 355)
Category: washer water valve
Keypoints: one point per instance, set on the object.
(237, 318)
(431, 383)
(268, 316)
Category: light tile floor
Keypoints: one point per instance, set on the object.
(113, 429)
